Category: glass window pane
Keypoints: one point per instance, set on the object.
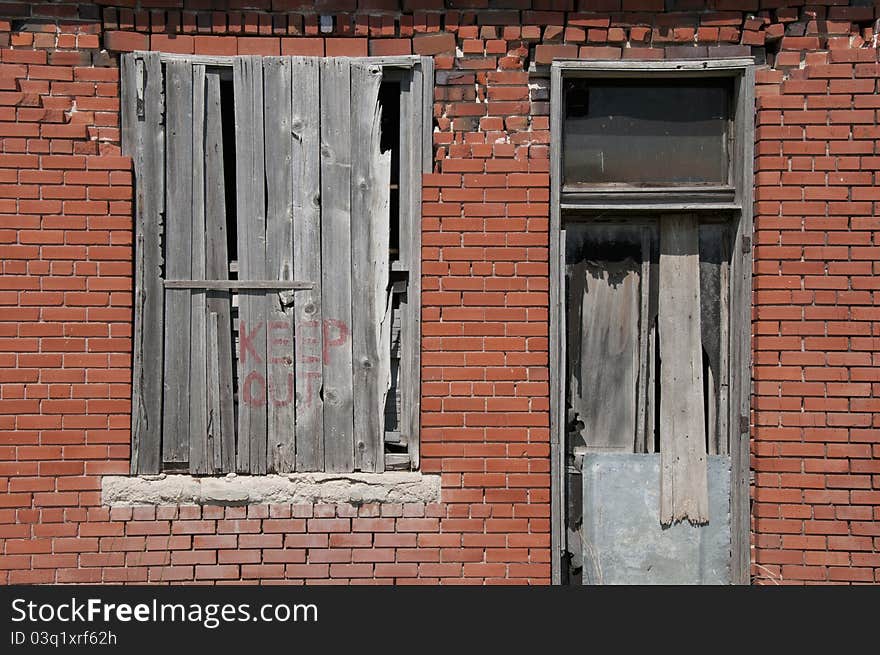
(646, 133)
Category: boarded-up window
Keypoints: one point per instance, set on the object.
(277, 241)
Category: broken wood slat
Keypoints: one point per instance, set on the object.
(143, 139)
(370, 232)
(711, 239)
(214, 425)
(308, 316)
(250, 182)
(178, 260)
(684, 486)
(220, 285)
(336, 269)
(200, 458)
(279, 264)
(604, 384)
(219, 301)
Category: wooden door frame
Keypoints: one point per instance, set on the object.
(742, 72)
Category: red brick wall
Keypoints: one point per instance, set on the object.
(65, 290)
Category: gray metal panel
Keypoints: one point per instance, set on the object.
(623, 541)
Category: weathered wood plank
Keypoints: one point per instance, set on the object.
(642, 436)
(557, 338)
(279, 263)
(684, 487)
(741, 331)
(723, 441)
(603, 387)
(251, 213)
(200, 457)
(308, 317)
(143, 139)
(178, 239)
(221, 285)
(213, 428)
(336, 269)
(370, 236)
(219, 302)
(421, 134)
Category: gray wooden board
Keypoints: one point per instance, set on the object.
(308, 316)
(421, 128)
(711, 239)
(605, 364)
(642, 436)
(178, 264)
(336, 269)
(143, 139)
(741, 332)
(682, 431)
(623, 540)
(214, 424)
(251, 214)
(200, 457)
(219, 302)
(281, 405)
(241, 285)
(557, 343)
(371, 300)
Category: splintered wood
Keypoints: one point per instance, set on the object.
(683, 481)
(603, 384)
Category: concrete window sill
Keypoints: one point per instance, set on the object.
(293, 488)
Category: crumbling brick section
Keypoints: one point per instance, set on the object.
(66, 288)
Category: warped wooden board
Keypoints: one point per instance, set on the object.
(221, 432)
(684, 494)
(336, 297)
(281, 406)
(143, 139)
(201, 454)
(250, 179)
(308, 316)
(370, 232)
(178, 264)
(604, 346)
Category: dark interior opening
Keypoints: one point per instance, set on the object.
(389, 101)
(227, 112)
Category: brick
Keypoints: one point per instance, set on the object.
(433, 44)
(126, 41)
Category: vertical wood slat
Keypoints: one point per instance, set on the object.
(642, 436)
(604, 380)
(407, 177)
(214, 425)
(201, 455)
(371, 300)
(741, 331)
(279, 263)
(336, 269)
(251, 215)
(723, 441)
(308, 321)
(220, 400)
(178, 264)
(143, 139)
(421, 152)
(557, 343)
(684, 484)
